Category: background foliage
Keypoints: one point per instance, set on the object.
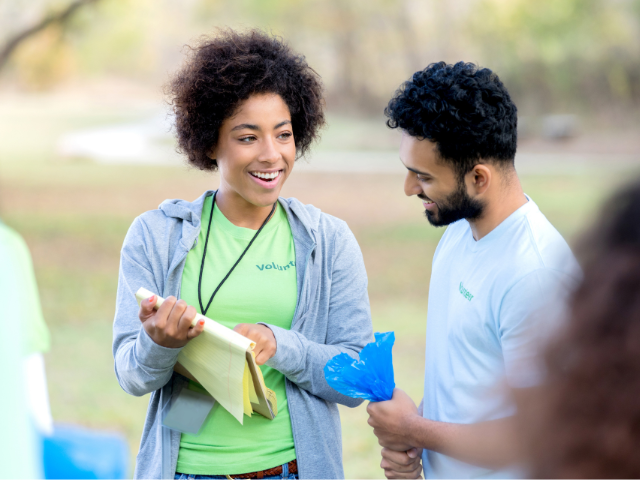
(568, 55)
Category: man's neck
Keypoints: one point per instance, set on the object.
(239, 211)
(498, 208)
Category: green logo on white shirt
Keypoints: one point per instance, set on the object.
(465, 293)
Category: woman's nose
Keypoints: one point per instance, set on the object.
(269, 152)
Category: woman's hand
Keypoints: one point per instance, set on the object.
(266, 345)
(169, 326)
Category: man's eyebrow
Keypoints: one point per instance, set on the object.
(245, 125)
(417, 171)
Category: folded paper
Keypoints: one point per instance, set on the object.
(223, 362)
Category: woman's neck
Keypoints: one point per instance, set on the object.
(240, 212)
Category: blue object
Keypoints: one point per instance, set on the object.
(371, 377)
(73, 452)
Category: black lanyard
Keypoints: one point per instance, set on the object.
(206, 242)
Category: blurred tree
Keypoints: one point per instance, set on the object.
(59, 19)
(553, 55)
(562, 54)
(355, 45)
(44, 60)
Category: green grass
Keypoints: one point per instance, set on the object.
(74, 216)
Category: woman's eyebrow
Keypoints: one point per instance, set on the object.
(282, 124)
(251, 126)
(245, 125)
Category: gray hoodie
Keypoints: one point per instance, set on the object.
(332, 316)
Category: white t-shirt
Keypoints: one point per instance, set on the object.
(485, 324)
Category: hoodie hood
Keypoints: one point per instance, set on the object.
(184, 210)
(299, 215)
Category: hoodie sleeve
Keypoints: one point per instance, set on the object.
(141, 365)
(348, 321)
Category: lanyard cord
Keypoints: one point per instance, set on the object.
(206, 242)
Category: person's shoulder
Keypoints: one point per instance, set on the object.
(312, 217)
(532, 250)
(13, 243)
(549, 246)
(8, 236)
(325, 230)
(170, 213)
(150, 223)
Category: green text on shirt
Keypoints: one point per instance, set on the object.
(465, 293)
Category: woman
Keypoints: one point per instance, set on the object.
(584, 422)
(247, 106)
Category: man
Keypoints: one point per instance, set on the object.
(497, 265)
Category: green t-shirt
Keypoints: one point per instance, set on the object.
(19, 455)
(262, 288)
(35, 332)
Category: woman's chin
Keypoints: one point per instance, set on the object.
(262, 200)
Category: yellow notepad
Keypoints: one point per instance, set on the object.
(223, 362)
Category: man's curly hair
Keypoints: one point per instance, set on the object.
(224, 70)
(465, 110)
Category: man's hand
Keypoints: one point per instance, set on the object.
(391, 420)
(169, 326)
(266, 345)
(402, 464)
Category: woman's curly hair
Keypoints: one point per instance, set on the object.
(465, 110)
(224, 70)
(587, 423)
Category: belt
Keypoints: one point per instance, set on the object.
(270, 472)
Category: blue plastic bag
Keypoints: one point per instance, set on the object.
(74, 452)
(371, 377)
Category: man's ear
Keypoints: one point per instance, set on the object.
(480, 178)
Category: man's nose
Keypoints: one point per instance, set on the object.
(411, 185)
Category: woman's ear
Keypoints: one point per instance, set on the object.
(480, 178)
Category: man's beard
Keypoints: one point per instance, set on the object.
(456, 206)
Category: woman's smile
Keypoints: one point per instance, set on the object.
(266, 178)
